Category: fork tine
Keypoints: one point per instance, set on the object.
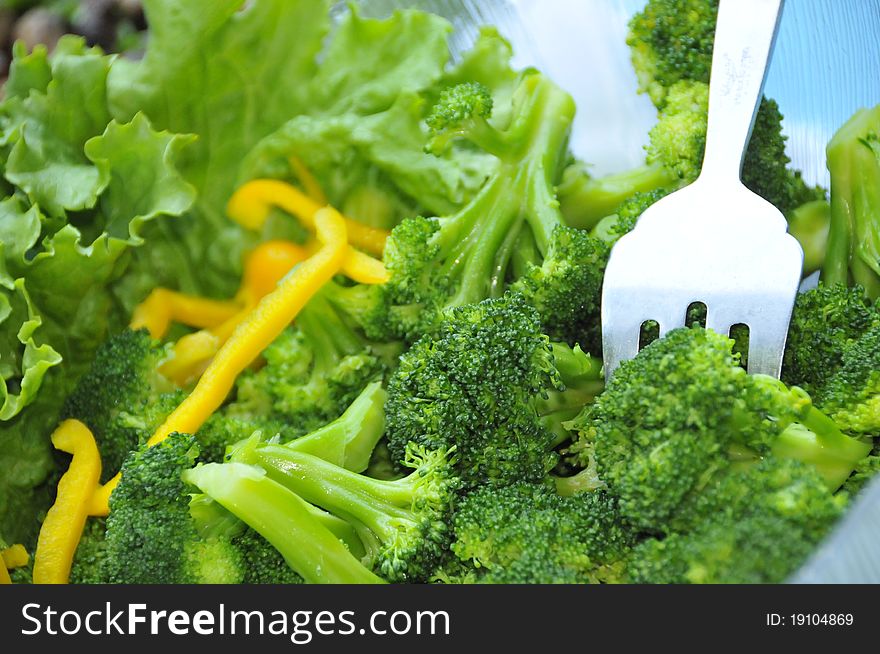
(717, 321)
(622, 346)
(621, 329)
(671, 318)
(766, 347)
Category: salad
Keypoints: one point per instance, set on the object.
(293, 297)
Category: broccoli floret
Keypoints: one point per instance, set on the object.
(463, 110)
(122, 397)
(854, 240)
(88, 562)
(566, 288)
(682, 410)
(678, 140)
(402, 523)
(151, 537)
(440, 263)
(313, 371)
(663, 423)
(489, 383)
(825, 322)
(671, 43)
(527, 533)
(852, 396)
(865, 471)
(158, 532)
(753, 525)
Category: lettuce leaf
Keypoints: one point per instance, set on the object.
(80, 190)
(229, 76)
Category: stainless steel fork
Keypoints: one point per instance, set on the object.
(714, 241)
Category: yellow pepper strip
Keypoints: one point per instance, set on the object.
(365, 269)
(272, 314)
(12, 557)
(191, 354)
(62, 528)
(163, 306)
(264, 268)
(308, 181)
(267, 265)
(250, 206)
(15, 556)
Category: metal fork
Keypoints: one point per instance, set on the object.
(714, 241)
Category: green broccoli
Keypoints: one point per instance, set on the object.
(313, 372)
(402, 523)
(489, 383)
(527, 533)
(438, 263)
(670, 41)
(825, 322)
(854, 240)
(752, 525)
(123, 397)
(809, 224)
(283, 519)
(682, 410)
(151, 537)
(157, 532)
(852, 396)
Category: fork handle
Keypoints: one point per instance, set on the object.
(744, 36)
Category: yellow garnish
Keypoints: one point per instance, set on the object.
(250, 206)
(62, 528)
(268, 264)
(191, 354)
(308, 181)
(15, 556)
(264, 268)
(272, 314)
(12, 557)
(163, 306)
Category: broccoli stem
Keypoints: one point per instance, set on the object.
(349, 440)
(495, 213)
(809, 224)
(818, 441)
(854, 239)
(283, 519)
(582, 381)
(525, 254)
(486, 137)
(585, 200)
(328, 334)
(375, 503)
